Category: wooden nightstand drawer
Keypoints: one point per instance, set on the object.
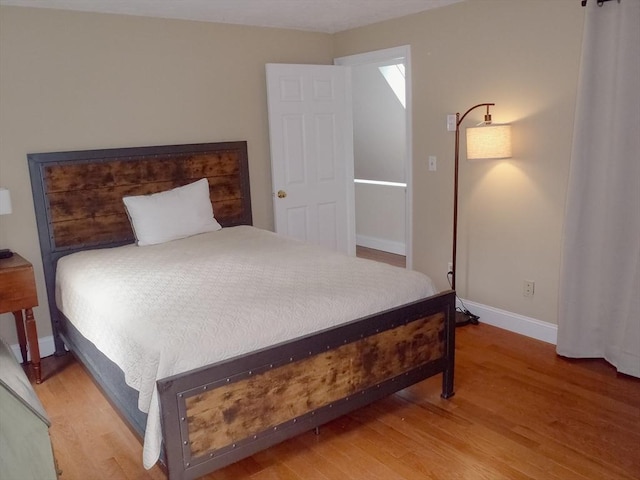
(17, 286)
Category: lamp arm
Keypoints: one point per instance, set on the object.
(459, 120)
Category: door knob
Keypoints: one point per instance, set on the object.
(282, 194)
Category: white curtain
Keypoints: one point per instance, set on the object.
(599, 312)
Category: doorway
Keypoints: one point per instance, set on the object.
(381, 97)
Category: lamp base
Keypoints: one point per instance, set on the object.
(6, 253)
(466, 318)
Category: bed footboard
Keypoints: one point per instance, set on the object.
(214, 416)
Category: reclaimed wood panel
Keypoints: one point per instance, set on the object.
(105, 201)
(134, 171)
(223, 416)
(92, 230)
(229, 211)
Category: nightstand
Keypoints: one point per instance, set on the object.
(18, 293)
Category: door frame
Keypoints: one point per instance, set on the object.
(377, 56)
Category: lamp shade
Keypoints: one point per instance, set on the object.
(489, 141)
(5, 201)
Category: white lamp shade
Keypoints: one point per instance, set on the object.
(489, 141)
(5, 201)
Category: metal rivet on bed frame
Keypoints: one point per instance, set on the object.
(250, 372)
(204, 388)
(377, 330)
(328, 347)
(211, 455)
(185, 442)
(291, 359)
(295, 420)
(271, 365)
(228, 380)
(233, 446)
(179, 395)
(188, 464)
(255, 436)
(275, 428)
(182, 419)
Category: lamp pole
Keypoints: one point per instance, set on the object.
(459, 119)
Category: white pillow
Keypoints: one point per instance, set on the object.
(170, 215)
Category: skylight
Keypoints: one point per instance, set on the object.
(394, 75)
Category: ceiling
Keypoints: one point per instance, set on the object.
(329, 16)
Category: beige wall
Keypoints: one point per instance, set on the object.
(73, 81)
(523, 55)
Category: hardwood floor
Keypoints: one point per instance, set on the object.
(520, 412)
(379, 256)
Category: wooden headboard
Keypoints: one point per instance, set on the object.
(78, 195)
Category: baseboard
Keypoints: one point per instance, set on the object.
(513, 322)
(46, 344)
(382, 244)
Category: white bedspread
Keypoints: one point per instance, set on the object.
(164, 309)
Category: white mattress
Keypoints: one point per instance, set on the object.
(164, 309)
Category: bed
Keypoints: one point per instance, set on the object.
(206, 416)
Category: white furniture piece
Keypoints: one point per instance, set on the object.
(25, 446)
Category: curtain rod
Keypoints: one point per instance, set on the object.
(600, 2)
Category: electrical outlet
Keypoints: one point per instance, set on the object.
(432, 163)
(528, 288)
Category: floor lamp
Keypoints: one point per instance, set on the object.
(484, 141)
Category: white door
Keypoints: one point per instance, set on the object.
(311, 137)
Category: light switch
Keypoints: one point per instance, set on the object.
(451, 123)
